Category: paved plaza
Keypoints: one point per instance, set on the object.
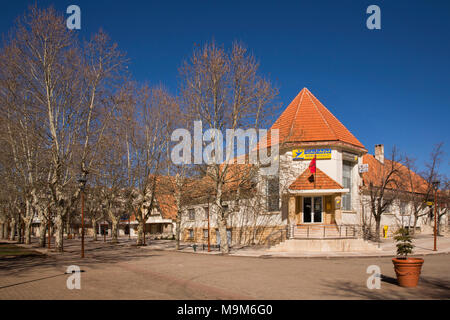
(125, 271)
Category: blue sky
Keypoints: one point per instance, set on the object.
(389, 86)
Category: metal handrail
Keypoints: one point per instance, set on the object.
(342, 231)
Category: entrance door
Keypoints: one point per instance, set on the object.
(312, 210)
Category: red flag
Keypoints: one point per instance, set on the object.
(312, 165)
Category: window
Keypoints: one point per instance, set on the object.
(205, 233)
(402, 206)
(347, 184)
(206, 212)
(191, 234)
(273, 194)
(389, 208)
(191, 213)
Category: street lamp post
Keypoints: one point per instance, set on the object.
(82, 180)
(435, 185)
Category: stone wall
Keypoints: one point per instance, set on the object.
(239, 235)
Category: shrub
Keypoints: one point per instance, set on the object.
(404, 242)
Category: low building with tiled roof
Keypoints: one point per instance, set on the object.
(332, 198)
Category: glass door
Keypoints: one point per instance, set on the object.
(317, 209)
(312, 209)
(307, 210)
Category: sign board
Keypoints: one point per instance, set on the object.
(430, 203)
(363, 167)
(337, 203)
(308, 154)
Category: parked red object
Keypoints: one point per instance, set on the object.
(408, 271)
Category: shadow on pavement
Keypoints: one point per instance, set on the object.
(428, 288)
(104, 253)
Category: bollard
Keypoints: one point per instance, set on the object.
(385, 229)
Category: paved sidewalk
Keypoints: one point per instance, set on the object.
(424, 245)
(125, 271)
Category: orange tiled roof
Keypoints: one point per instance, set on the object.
(378, 170)
(305, 181)
(306, 119)
(167, 206)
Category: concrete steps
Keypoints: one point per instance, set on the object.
(322, 232)
(325, 245)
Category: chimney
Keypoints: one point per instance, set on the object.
(379, 152)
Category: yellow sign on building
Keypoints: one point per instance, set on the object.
(308, 154)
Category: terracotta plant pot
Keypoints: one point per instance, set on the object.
(408, 271)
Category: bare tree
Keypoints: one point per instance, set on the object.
(383, 186)
(224, 91)
(418, 190)
(179, 184)
(94, 208)
(68, 87)
(150, 121)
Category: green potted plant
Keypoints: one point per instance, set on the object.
(406, 268)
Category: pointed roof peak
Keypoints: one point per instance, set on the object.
(305, 181)
(306, 119)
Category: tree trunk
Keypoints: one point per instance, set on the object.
(222, 224)
(94, 228)
(439, 224)
(42, 230)
(414, 225)
(19, 231)
(377, 228)
(28, 223)
(68, 224)
(177, 233)
(140, 232)
(221, 221)
(2, 231)
(12, 227)
(42, 227)
(59, 234)
(114, 230)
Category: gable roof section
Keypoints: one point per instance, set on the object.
(167, 206)
(407, 181)
(306, 182)
(306, 119)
